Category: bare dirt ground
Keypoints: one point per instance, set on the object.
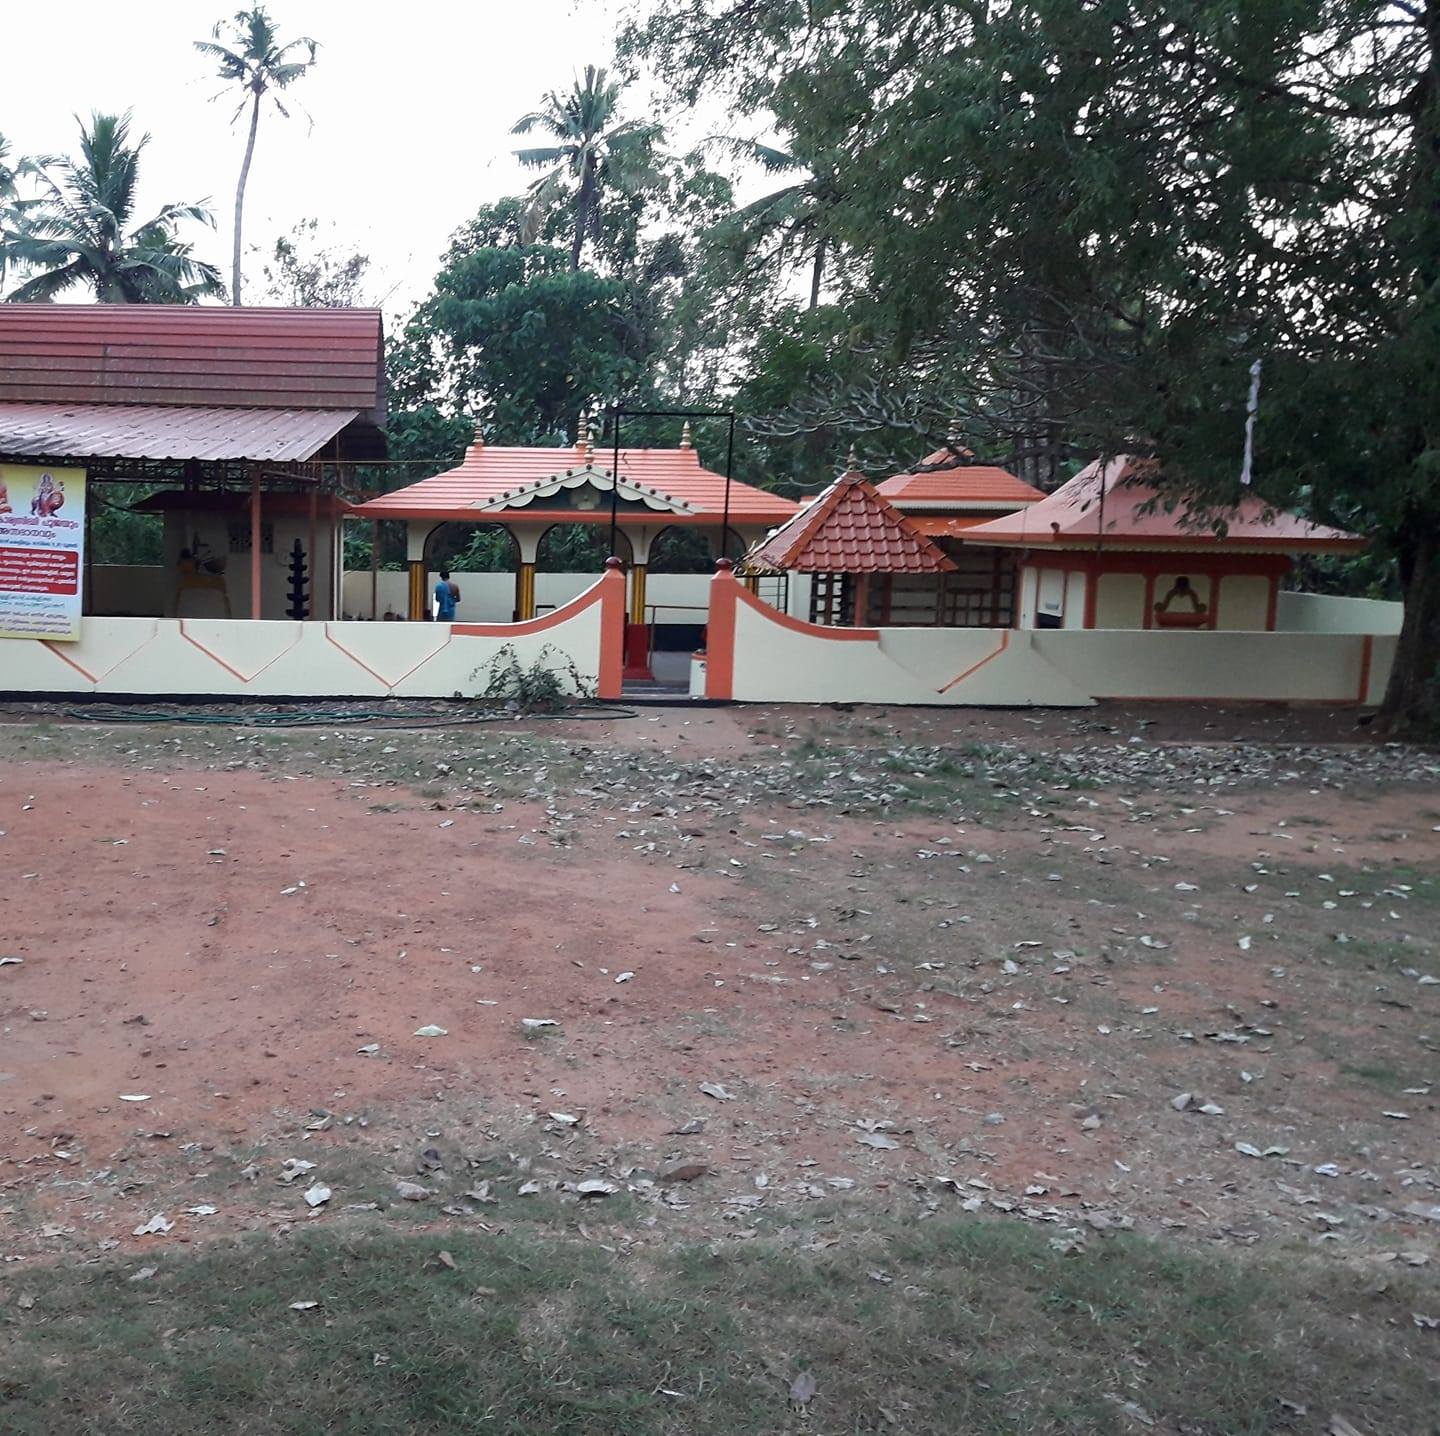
(936, 960)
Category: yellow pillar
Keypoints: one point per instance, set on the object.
(752, 582)
(525, 592)
(417, 590)
(637, 593)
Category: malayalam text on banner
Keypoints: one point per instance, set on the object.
(42, 551)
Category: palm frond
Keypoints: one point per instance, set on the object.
(42, 288)
(546, 155)
(771, 160)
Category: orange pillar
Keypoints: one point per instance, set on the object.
(417, 590)
(254, 540)
(720, 633)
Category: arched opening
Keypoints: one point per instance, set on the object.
(569, 557)
(683, 548)
(472, 548)
(578, 548)
(484, 552)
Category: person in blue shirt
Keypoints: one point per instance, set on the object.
(447, 596)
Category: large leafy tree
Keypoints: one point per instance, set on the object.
(1080, 225)
(787, 223)
(514, 338)
(81, 229)
(594, 154)
(302, 269)
(250, 56)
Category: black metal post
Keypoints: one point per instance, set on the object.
(725, 516)
(618, 414)
(615, 490)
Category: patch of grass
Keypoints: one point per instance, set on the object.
(1385, 1078)
(978, 1327)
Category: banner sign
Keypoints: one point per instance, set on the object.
(42, 551)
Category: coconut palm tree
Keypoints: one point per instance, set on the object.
(792, 217)
(594, 151)
(254, 59)
(80, 231)
(9, 206)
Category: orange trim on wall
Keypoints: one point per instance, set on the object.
(388, 683)
(234, 672)
(65, 658)
(1367, 651)
(594, 594)
(1004, 644)
(720, 637)
(800, 625)
(99, 677)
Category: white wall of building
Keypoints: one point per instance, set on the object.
(490, 597)
(1323, 613)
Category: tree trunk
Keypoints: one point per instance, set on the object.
(240, 199)
(817, 273)
(1412, 698)
(584, 204)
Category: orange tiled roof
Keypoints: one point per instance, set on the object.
(495, 478)
(945, 525)
(1075, 516)
(942, 482)
(849, 528)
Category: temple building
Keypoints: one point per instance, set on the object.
(527, 492)
(1104, 551)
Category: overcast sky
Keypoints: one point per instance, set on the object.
(409, 111)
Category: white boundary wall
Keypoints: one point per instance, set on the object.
(160, 657)
(775, 658)
(1324, 613)
(490, 597)
(1270, 667)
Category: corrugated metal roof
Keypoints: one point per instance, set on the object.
(234, 501)
(148, 431)
(198, 355)
(491, 474)
(940, 481)
(1075, 516)
(850, 528)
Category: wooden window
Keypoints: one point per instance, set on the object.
(832, 599)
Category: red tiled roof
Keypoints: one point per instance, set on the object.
(153, 431)
(849, 528)
(1071, 517)
(176, 354)
(940, 481)
(945, 525)
(493, 477)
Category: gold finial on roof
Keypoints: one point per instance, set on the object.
(685, 440)
(587, 446)
(582, 432)
(852, 463)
